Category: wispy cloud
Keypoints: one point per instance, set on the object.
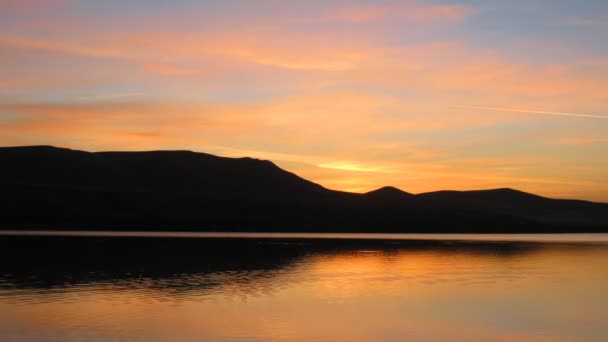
(582, 140)
(532, 111)
(29, 5)
(168, 69)
(349, 166)
(410, 11)
(292, 52)
(60, 46)
(102, 97)
(584, 22)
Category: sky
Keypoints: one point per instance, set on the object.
(353, 95)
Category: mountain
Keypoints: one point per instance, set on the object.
(388, 193)
(44, 187)
(521, 204)
(155, 171)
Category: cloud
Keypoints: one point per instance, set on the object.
(110, 96)
(410, 11)
(532, 111)
(286, 52)
(20, 6)
(169, 70)
(308, 61)
(60, 46)
(584, 22)
(582, 141)
(358, 13)
(349, 166)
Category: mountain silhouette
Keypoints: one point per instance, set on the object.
(44, 187)
(389, 193)
(156, 171)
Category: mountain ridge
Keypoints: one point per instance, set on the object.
(383, 189)
(50, 187)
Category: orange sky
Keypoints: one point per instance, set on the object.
(353, 95)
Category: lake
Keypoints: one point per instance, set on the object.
(90, 286)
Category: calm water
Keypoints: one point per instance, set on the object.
(100, 288)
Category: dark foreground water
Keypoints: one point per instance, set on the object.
(88, 288)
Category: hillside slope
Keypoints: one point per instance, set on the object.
(55, 188)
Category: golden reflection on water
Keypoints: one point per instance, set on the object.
(552, 293)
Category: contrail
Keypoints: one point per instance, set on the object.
(515, 110)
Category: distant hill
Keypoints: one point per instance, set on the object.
(155, 171)
(388, 193)
(54, 188)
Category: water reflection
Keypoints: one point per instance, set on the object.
(193, 289)
(195, 265)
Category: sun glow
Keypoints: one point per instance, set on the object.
(353, 167)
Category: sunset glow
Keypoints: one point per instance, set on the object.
(353, 95)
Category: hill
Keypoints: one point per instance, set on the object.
(44, 187)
